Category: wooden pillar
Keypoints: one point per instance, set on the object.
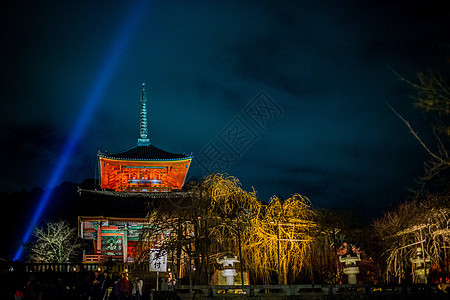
(125, 243)
(99, 237)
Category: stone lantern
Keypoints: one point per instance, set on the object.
(350, 269)
(227, 261)
(421, 269)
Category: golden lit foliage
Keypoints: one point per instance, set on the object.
(204, 225)
(224, 218)
(229, 210)
(226, 196)
(278, 239)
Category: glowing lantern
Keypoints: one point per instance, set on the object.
(421, 267)
(229, 271)
(350, 269)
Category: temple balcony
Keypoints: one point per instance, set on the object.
(101, 258)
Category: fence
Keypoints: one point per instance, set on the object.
(78, 267)
(307, 291)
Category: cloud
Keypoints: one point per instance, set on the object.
(323, 63)
(28, 151)
(30, 141)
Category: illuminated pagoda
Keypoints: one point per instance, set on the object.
(143, 167)
(114, 216)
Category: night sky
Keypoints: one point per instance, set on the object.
(288, 96)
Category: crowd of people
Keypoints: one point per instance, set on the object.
(82, 286)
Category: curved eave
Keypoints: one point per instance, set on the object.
(146, 160)
(145, 153)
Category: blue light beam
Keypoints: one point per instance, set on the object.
(92, 101)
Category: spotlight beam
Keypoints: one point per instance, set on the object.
(112, 60)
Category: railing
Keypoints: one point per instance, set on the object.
(77, 267)
(309, 291)
(95, 258)
(49, 267)
(144, 189)
(101, 258)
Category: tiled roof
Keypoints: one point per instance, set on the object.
(149, 152)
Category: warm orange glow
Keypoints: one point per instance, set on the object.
(142, 175)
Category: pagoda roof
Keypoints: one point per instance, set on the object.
(146, 152)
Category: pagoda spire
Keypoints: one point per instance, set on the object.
(143, 138)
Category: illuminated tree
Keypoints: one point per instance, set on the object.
(272, 238)
(201, 227)
(230, 210)
(226, 209)
(422, 222)
(56, 242)
(411, 225)
(219, 217)
(278, 239)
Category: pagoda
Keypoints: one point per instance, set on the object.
(114, 217)
(143, 167)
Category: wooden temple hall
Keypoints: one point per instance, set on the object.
(114, 215)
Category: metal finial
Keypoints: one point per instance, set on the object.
(143, 140)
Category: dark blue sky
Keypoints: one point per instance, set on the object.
(317, 73)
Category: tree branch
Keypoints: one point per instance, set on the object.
(416, 135)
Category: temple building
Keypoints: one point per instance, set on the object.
(143, 167)
(114, 216)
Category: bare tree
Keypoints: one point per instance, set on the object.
(56, 242)
(415, 224)
(433, 96)
(422, 222)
